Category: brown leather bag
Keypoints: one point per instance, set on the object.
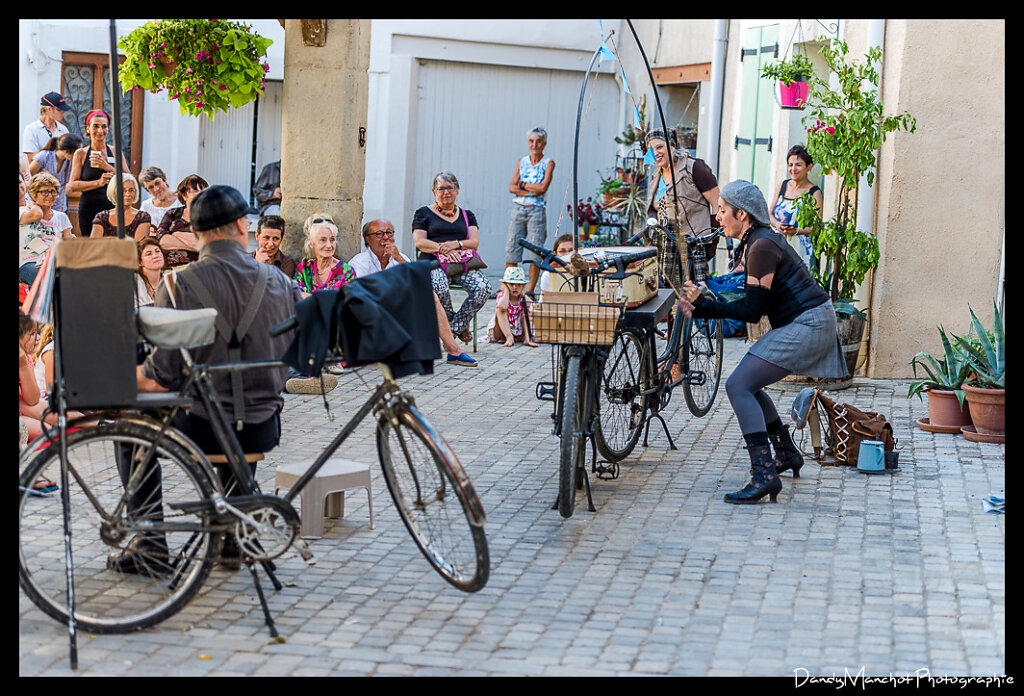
(848, 426)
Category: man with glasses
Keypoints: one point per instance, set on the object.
(381, 254)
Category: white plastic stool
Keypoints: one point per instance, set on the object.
(324, 495)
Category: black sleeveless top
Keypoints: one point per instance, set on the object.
(793, 289)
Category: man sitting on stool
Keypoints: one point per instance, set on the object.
(250, 298)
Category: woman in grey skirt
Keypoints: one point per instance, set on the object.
(803, 337)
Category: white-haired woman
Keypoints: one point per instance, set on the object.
(137, 223)
(445, 230)
(320, 269)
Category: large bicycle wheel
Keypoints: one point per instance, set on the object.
(702, 363)
(435, 499)
(572, 449)
(115, 488)
(620, 402)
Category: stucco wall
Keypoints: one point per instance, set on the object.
(941, 193)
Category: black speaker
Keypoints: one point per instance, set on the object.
(95, 321)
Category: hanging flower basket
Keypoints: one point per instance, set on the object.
(794, 95)
(207, 65)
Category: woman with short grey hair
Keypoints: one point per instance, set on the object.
(803, 338)
(530, 181)
(445, 231)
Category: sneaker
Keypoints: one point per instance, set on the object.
(311, 385)
(461, 359)
(334, 369)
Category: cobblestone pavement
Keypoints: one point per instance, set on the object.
(887, 574)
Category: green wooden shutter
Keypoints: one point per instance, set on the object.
(753, 142)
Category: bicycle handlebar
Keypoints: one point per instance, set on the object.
(547, 256)
(284, 326)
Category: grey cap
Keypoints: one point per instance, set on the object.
(217, 206)
(745, 196)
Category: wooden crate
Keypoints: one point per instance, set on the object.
(574, 318)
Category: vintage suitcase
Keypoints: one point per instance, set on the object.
(634, 289)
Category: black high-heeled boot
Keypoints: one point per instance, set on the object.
(787, 454)
(763, 478)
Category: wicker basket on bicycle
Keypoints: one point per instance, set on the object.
(574, 318)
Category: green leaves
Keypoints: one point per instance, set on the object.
(988, 358)
(797, 68)
(947, 373)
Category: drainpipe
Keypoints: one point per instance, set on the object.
(866, 194)
(718, 53)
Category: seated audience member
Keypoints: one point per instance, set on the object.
(137, 223)
(162, 197)
(563, 247)
(382, 254)
(269, 233)
(320, 269)
(39, 225)
(55, 158)
(511, 322)
(175, 231)
(267, 190)
(151, 269)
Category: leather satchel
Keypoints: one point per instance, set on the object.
(847, 426)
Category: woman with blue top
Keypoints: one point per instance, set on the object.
(798, 165)
(55, 158)
(530, 181)
(803, 338)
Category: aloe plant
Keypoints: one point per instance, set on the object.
(985, 355)
(947, 373)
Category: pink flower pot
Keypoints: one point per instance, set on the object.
(794, 96)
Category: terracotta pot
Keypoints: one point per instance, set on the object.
(944, 410)
(988, 409)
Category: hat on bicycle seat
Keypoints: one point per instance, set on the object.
(745, 196)
(217, 206)
(514, 275)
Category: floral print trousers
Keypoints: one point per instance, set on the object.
(478, 288)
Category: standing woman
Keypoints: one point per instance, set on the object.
(136, 222)
(689, 208)
(163, 197)
(803, 337)
(175, 231)
(445, 229)
(91, 170)
(55, 158)
(320, 269)
(799, 165)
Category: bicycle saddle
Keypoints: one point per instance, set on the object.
(177, 328)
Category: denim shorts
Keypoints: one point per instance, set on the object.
(529, 222)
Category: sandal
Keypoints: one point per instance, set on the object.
(43, 486)
(466, 336)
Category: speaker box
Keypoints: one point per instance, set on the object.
(95, 316)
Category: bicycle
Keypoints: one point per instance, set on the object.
(141, 479)
(638, 380)
(582, 348)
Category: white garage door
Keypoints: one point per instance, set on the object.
(472, 120)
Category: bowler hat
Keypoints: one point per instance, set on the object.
(216, 206)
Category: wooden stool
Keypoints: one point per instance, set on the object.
(324, 495)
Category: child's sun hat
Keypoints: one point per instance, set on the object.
(514, 275)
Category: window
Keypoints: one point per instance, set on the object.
(85, 84)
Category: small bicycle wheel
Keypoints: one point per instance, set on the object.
(115, 489)
(435, 499)
(621, 403)
(572, 450)
(702, 363)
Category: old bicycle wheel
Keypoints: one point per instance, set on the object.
(702, 359)
(115, 488)
(435, 499)
(573, 445)
(621, 405)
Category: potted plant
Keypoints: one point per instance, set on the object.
(588, 214)
(205, 64)
(611, 189)
(793, 76)
(944, 385)
(986, 388)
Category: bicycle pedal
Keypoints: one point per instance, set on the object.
(546, 391)
(607, 473)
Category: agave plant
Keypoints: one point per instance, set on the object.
(947, 373)
(985, 355)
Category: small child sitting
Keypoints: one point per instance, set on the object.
(511, 320)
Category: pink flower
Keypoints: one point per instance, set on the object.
(189, 71)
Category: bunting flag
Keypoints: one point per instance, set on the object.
(600, 25)
(649, 156)
(625, 82)
(636, 117)
(605, 54)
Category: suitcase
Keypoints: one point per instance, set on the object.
(634, 289)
